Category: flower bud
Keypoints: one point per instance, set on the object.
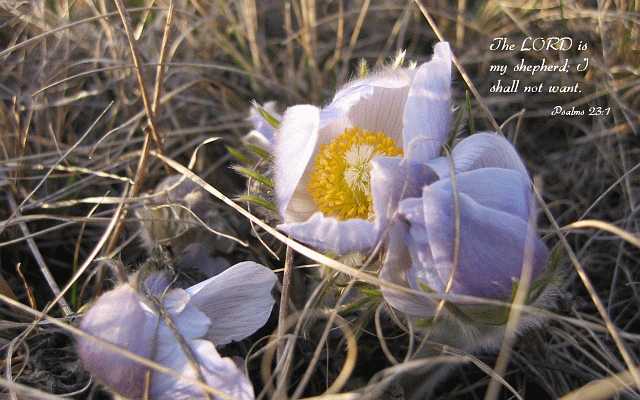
(238, 300)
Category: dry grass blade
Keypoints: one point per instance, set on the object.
(44, 269)
(160, 70)
(250, 16)
(150, 109)
(605, 226)
(354, 36)
(52, 168)
(613, 330)
(28, 391)
(182, 343)
(284, 300)
(68, 26)
(5, 288)
(27, 288)
(94, 253)
(124, 16)
(602, 389)
(341, 396)
(350, 359)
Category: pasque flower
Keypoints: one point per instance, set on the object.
(496, 238)
(227, 307)
(333, 164)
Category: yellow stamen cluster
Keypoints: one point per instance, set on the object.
(339, 181)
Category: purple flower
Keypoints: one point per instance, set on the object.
(225, 308)
(331, 188)
(496, 238)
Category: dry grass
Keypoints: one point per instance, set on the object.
(92, 117)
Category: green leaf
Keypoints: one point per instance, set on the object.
(355, 305)
(253, 174)
(237, 154)
(456, 128)
(550, 275)
(371, 292)
(425, 288)
(487, 314)
(555, 259)
(424, 323)
(266, 115)
(472, 126)
(259, 201)
(259, 151)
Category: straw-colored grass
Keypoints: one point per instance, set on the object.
(102, 99)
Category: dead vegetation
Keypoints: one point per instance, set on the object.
(91, 111)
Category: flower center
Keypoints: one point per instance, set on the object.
(339, 181)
